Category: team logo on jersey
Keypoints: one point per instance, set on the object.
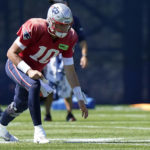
(63, 47)
(26, 35)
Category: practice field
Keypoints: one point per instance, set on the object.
(107, 128)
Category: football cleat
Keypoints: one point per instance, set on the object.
(6, 135)
(40, 136)
(70, 117)
(48, 117)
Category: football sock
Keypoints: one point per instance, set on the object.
(34, 103)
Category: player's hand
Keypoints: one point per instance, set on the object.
(83, 62)
(35, 74)
(83, 109)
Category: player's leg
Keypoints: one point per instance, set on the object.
(19, 104)
(68, 103)
(48, 102)
(65, 91)
(15, 108)
(33, 88)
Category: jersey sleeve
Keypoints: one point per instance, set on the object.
(27, 33)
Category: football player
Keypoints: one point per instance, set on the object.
(38, 41)
(54, 71)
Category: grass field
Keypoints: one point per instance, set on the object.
(107, 128)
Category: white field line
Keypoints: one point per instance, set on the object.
(117, 108)
(125, 115)
(83, 126)
(117, 122)
(76, 123)
(67, 140)
(95, 140)
(91, 126)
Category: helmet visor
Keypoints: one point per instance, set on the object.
(64, 28)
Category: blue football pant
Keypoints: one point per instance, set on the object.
(27, 93)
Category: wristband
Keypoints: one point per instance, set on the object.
(78, 93)
(23, 66)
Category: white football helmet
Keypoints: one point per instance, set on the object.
(59, 18)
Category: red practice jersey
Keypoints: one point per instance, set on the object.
(37, 44)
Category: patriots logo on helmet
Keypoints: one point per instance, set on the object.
(26, 35)
(55, 10)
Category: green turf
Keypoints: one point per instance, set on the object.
(107, 128)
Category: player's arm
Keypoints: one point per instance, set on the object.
(74, 83)
(13, 52)
(84, 51)
(82, 42)
(13, 55)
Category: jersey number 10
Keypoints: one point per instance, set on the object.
(44, 58)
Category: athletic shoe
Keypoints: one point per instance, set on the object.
(6, 135)
(48, 118)
(70, 117)
(40, 136)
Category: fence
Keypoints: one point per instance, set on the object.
(118, 35)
